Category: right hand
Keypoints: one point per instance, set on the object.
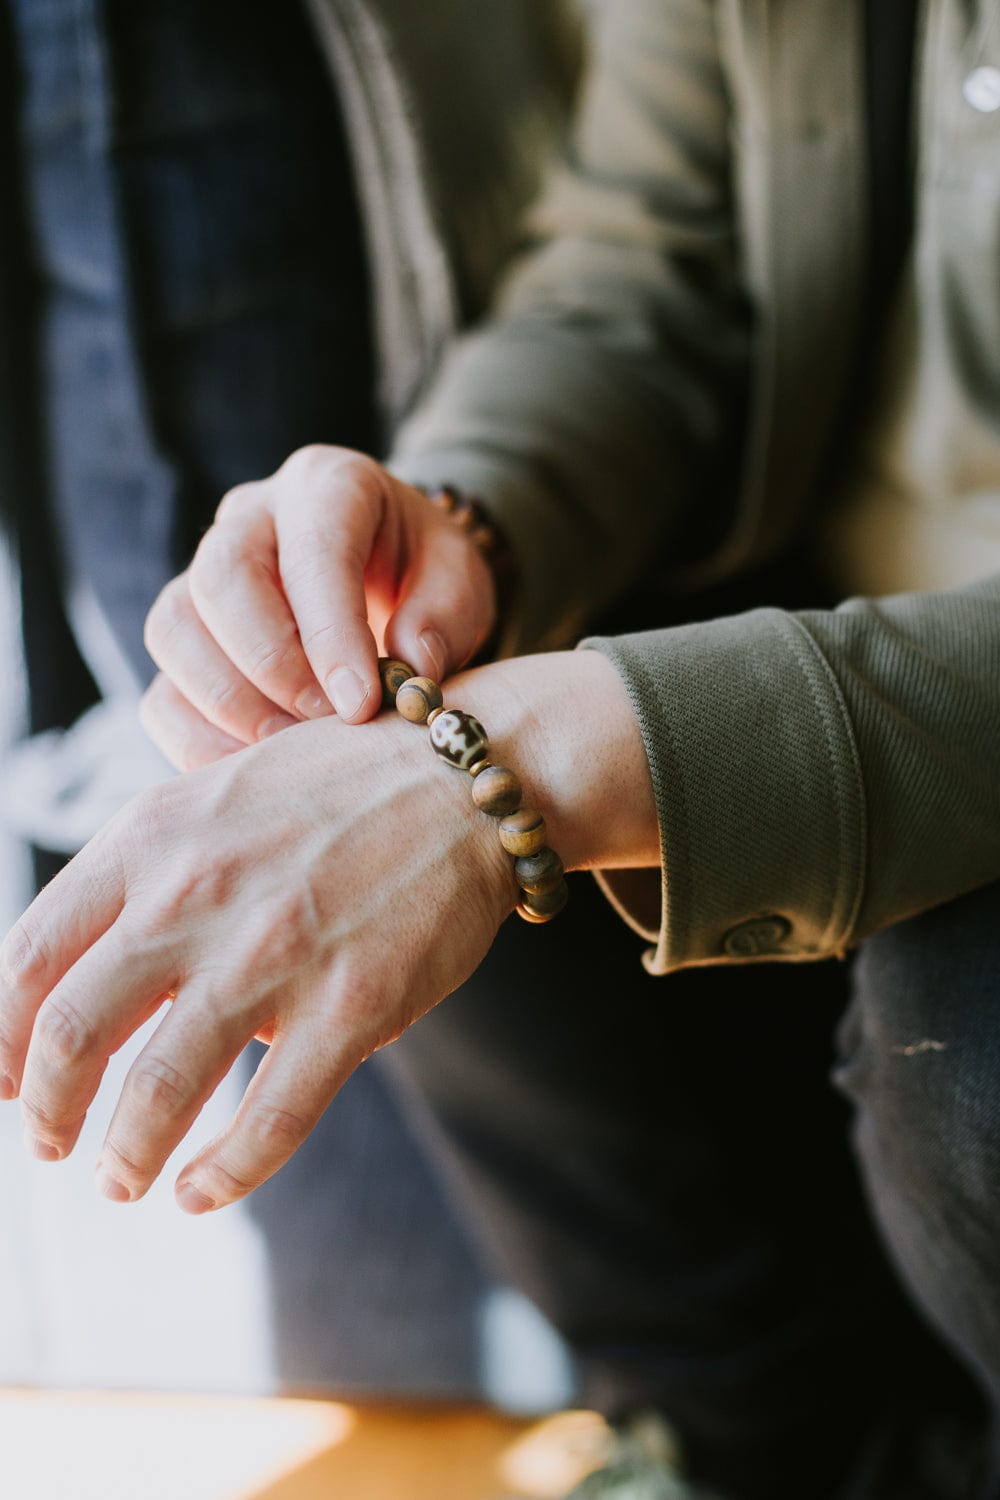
(273, 621)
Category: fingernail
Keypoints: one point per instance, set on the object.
(347, 692)
(313, 704)
(435, 648)
(8, 1088)
(112, 1188)
(192, 1201)
(41, 1149)
(274, 725)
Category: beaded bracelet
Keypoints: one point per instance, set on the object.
(461, 741)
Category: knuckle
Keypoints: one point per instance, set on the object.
(310, 460)
(63, 1034)
(127, 1162)
(221, 552)
(272, 657)
(23, 958)
(45, 1120)
(234, 1184)
(221, 697)
(157, 1088)
(239, 499)
(274, 1129)
(170, 612)
(146, 818)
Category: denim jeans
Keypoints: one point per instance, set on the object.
(664, 1165)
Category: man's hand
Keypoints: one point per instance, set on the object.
(319, 891)
(273, 622)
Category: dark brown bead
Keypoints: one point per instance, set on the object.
(539, 873)
(417, 697)
(497, 791)
(523, 832)
(393, 674)
(545, 906)
(459, 738)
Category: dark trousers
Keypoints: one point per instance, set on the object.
(665, 1166)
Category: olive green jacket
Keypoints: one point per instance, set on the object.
(694, 292)
(452, 107)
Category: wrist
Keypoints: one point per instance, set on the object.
(565, 723)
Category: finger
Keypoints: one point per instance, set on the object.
(236, 588)
(180, 1066)
(203, 672)
(326, 540)
(177, 729)
(289, 1092)
(59, 927)
(106, 996)
(448, 607)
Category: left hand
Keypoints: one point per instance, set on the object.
(320, 891)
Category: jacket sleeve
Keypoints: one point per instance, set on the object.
(818, 776)
(597, 406)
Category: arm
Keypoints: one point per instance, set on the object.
(834, 770)
(592, 416)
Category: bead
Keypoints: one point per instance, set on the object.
(497, 791)
(418, 697)
(545, 906)
(433, 715)
(539, 873)
(480, 767)
(459, 738)
(523, 832)
(393, 674)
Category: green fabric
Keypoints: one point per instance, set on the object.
(696, 291)
(839, 770)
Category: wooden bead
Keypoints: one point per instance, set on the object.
(539, 873)
(417, 697)
(393, 674)
(523, 832)
(497, 791)
(546, 905)
(459, 738)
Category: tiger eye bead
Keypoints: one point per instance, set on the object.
(523, 832)
(393, 674)
(417, 697)
(497, 791)
(459, 738)
(545, 906)
(538, 873)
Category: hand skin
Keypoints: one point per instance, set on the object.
(321, 890)
(270, 624)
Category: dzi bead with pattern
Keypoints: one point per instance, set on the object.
(418, 697)
(459, 738)
(497, 791)
(393, 674)
(523, 832)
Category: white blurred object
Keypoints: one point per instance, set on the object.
(58, 788)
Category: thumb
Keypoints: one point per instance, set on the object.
(448, 606)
